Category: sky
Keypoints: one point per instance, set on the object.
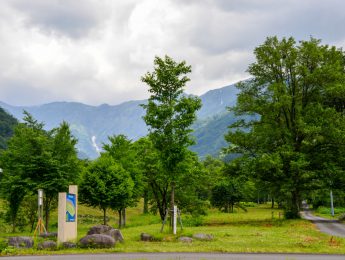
(96, 51)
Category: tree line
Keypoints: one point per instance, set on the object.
(286, 146)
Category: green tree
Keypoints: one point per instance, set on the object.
(105, 184)
(37, 159)
(297, 96)
(62, 166)
(154, 180)
(122, 151)
(169, 116)
(226, 194)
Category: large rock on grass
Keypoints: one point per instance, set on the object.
(51, 245)
(186, 239)
(146, 237)
(106, 230)
(21, 242)
(97, 241)
(69, 245)
(205, 237)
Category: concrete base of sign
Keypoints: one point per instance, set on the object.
(67, 231)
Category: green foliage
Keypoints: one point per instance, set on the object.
(7, 124)
(122, 150)
(169, 116)
(37, 159)
(297, 95)
(226, 194)
(105, 184)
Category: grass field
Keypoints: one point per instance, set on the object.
(252, 231)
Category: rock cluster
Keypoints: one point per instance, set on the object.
(101, 236)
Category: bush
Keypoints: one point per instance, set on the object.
(192, 221)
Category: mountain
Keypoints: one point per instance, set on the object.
(7, 124)
(93, 124)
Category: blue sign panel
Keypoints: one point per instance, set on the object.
(70, 207)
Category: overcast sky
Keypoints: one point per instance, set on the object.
(95, 51)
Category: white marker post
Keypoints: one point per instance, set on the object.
(40, 226)
(332, 208)
(174, 220)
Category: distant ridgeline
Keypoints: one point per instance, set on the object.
(93, 124)
(7, 124)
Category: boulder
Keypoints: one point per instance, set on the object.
(21, 242)
(116, 234)
(97, 241)
(146, 237)
(47, 245)
(69, 245)
(201, 236)
(99, 229)
(106, 230)
(186, 239)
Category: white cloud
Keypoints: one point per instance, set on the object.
(95, 51)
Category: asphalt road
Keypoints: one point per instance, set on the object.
(181, 256)
(328, 226)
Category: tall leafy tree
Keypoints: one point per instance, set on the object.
(121, 149)
(37, 159)
(169, 116)
(297, 95)
(105, 184)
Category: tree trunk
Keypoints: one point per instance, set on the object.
(47, 216)
(146, 202)
(104, 216)
(124, 217)
(13, 224)
(172, 203)
(272, 205)
(120, 218)
(293, 208)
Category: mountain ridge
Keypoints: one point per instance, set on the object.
(93, 124)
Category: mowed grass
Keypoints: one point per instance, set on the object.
(252, 231)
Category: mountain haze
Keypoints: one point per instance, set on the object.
(93, 124)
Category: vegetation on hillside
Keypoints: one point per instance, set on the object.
(7, 124)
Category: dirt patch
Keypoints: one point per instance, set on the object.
(333, 242)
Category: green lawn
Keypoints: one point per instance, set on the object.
(252, 231)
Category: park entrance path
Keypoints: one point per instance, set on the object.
(328, 226)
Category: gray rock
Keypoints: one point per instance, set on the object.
(201, 236)
(107, 230)
(50, 235)
(186, 239)
(116, 234)
(99, 229)
(47, 245)
(97, 241)
(69, 245)
(21, 242)
(146, 237)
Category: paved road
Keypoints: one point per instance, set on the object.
(328, 226)
(181, 256)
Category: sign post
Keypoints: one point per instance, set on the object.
(68, 215)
